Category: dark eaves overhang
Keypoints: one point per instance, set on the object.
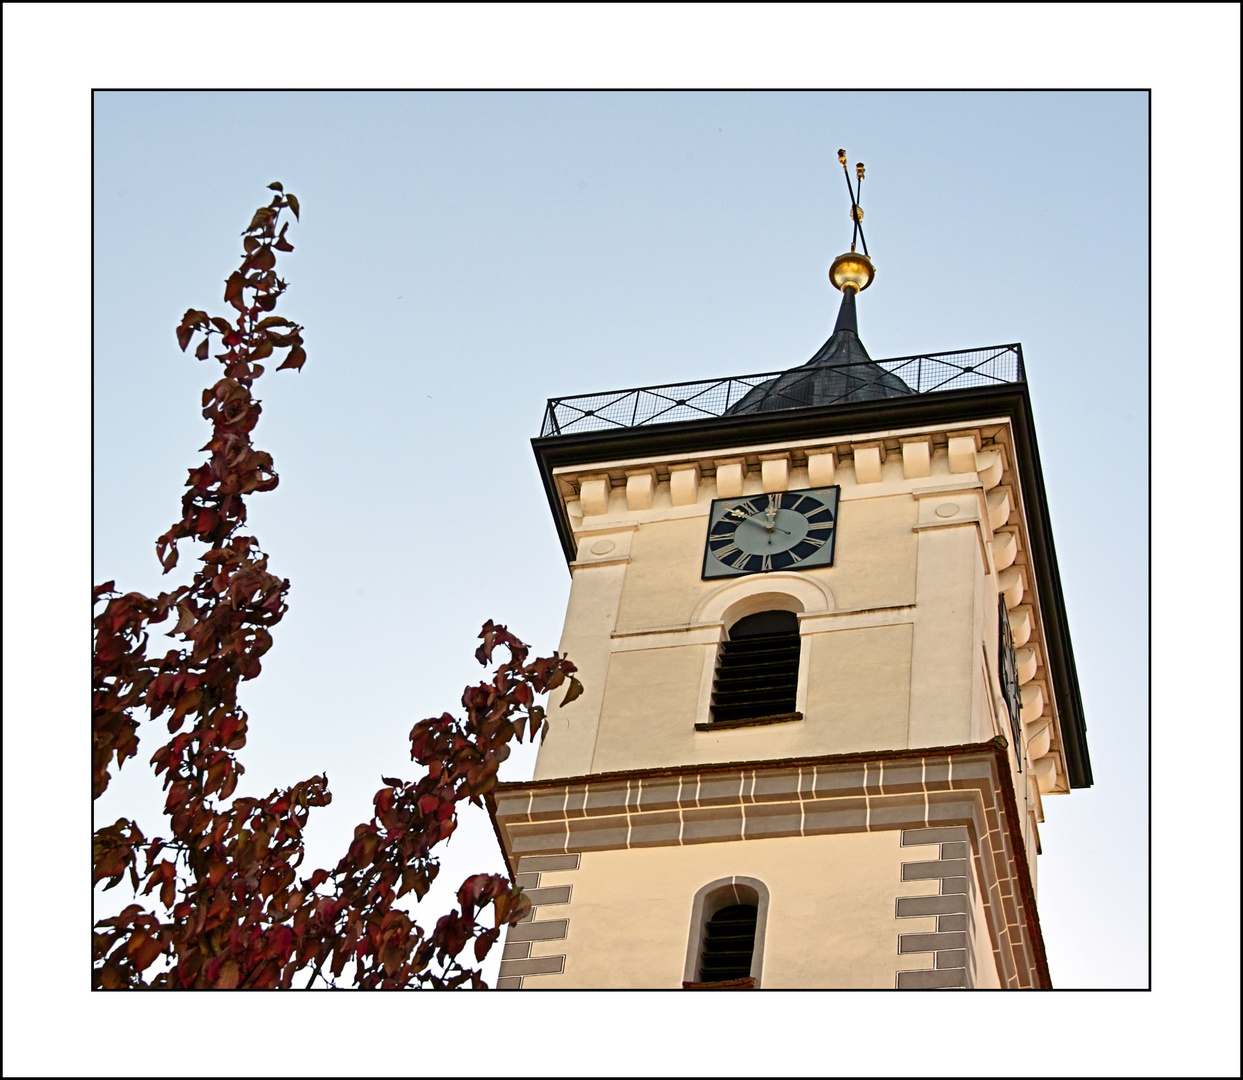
(960, 407)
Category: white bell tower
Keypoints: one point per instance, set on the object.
(828, 680)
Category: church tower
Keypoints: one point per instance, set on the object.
(828, 680)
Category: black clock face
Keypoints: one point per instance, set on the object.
(785, 530)
(1009, 674)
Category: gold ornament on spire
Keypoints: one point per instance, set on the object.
(853, 270)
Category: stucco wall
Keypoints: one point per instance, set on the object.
(831, 916)
(662, 584)
(895, 619)
(874, 563)
(858, 689)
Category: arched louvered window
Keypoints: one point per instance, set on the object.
(726, 946)
(729, 941)
(757, 671)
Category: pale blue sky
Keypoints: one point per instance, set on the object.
(462, 257)
(554, 246)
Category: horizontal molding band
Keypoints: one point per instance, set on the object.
(703, 786)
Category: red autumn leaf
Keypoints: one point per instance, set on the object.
(143, 951)
(295, 359)
(215, 774)
(109, 649)
(267, 977)
(450, 934)
(293, 205)
(230, 782)
(262, 259)
(206, 522)
(484, 942)
(168, 558)
(233, 287)
(262, 216)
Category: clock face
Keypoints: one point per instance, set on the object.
(1009, 674)
(784, 530)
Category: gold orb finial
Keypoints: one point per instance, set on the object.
(852, 271)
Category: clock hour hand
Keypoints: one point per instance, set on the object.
(762, 525)
(770, 513)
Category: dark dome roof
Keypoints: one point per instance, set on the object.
(841, 371)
